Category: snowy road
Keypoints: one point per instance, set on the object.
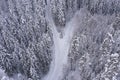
(61, 46)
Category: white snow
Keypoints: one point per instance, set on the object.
(1, 73)
(3, 76)
(61, 46)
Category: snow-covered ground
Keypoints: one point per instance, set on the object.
(61, 47)
(1, 74)
(4, 76)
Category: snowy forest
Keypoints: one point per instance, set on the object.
(59, 39)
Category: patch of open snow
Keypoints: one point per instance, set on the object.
(1, 73)
(4, 76)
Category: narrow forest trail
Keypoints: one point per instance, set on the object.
(61, 47)
(61, 50)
